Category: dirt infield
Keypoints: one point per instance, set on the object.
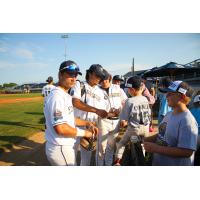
(18, 100)
(30, 152)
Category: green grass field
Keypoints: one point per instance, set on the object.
(13, 96)
(20, 120)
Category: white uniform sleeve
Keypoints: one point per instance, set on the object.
(57, 111)
(76, 90)
(123, 95)
(43, 93)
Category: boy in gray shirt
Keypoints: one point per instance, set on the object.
(177, 140)
(135, 113)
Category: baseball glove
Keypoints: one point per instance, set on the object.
(88, 144)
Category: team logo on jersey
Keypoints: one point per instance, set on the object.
(115, 95)
(92, 95)
(106, 97)
(58, 115)
(70, 109)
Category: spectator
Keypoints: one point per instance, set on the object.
(176, 143)
(135, 114)
(195, 110)
(151, 100)
(163, 108)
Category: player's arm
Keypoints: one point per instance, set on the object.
(151, 138)
(168, 151)
(83, 106)
(68, 131)
(81, 122)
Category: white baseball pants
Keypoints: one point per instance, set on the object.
(59, 155)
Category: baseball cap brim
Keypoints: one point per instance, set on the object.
(196, 99)
(73, 72)
(165, 90)
(118, 79)
(100, 74)
(128, 85)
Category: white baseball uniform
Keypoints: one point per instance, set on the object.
(59, 110)
(93, 96)
(106, 142)
(46, 91)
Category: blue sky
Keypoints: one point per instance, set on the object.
(26, 58)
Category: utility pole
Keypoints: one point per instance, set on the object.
(133, 69)
(65, 36)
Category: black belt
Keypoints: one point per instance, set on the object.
(113, 118)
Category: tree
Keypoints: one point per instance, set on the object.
(7, 85)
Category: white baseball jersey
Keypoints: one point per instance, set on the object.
(106, 142)
(116, 97)
(93, 96)
(46, 90)
(58, 110)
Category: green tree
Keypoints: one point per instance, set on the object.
(7, 85)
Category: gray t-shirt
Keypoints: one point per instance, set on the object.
(136, 111)
(180, 131)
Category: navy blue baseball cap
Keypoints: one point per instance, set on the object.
(70, 67)
(134, 82)
(49, 79)
(98, 70)
(118, 77)
(106, 75)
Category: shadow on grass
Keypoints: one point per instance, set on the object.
(28, 153)
(34, 113)
(22, 124)
(42, 120)
(11, 140)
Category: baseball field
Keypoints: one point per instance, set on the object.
(21, 115)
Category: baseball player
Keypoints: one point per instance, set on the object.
(61, 131)
(114, 104)
(47, 88)
(117, 79)
(89, 105)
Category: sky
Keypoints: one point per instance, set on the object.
(32, 57)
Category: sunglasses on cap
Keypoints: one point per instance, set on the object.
(72, 69)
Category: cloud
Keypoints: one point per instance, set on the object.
(3, 49)
(6, 65)
(24, 53)
(28, 65)
(3, 46)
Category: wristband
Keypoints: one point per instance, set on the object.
(80, 132)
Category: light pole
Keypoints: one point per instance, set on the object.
(65, 36)
(133, 68)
